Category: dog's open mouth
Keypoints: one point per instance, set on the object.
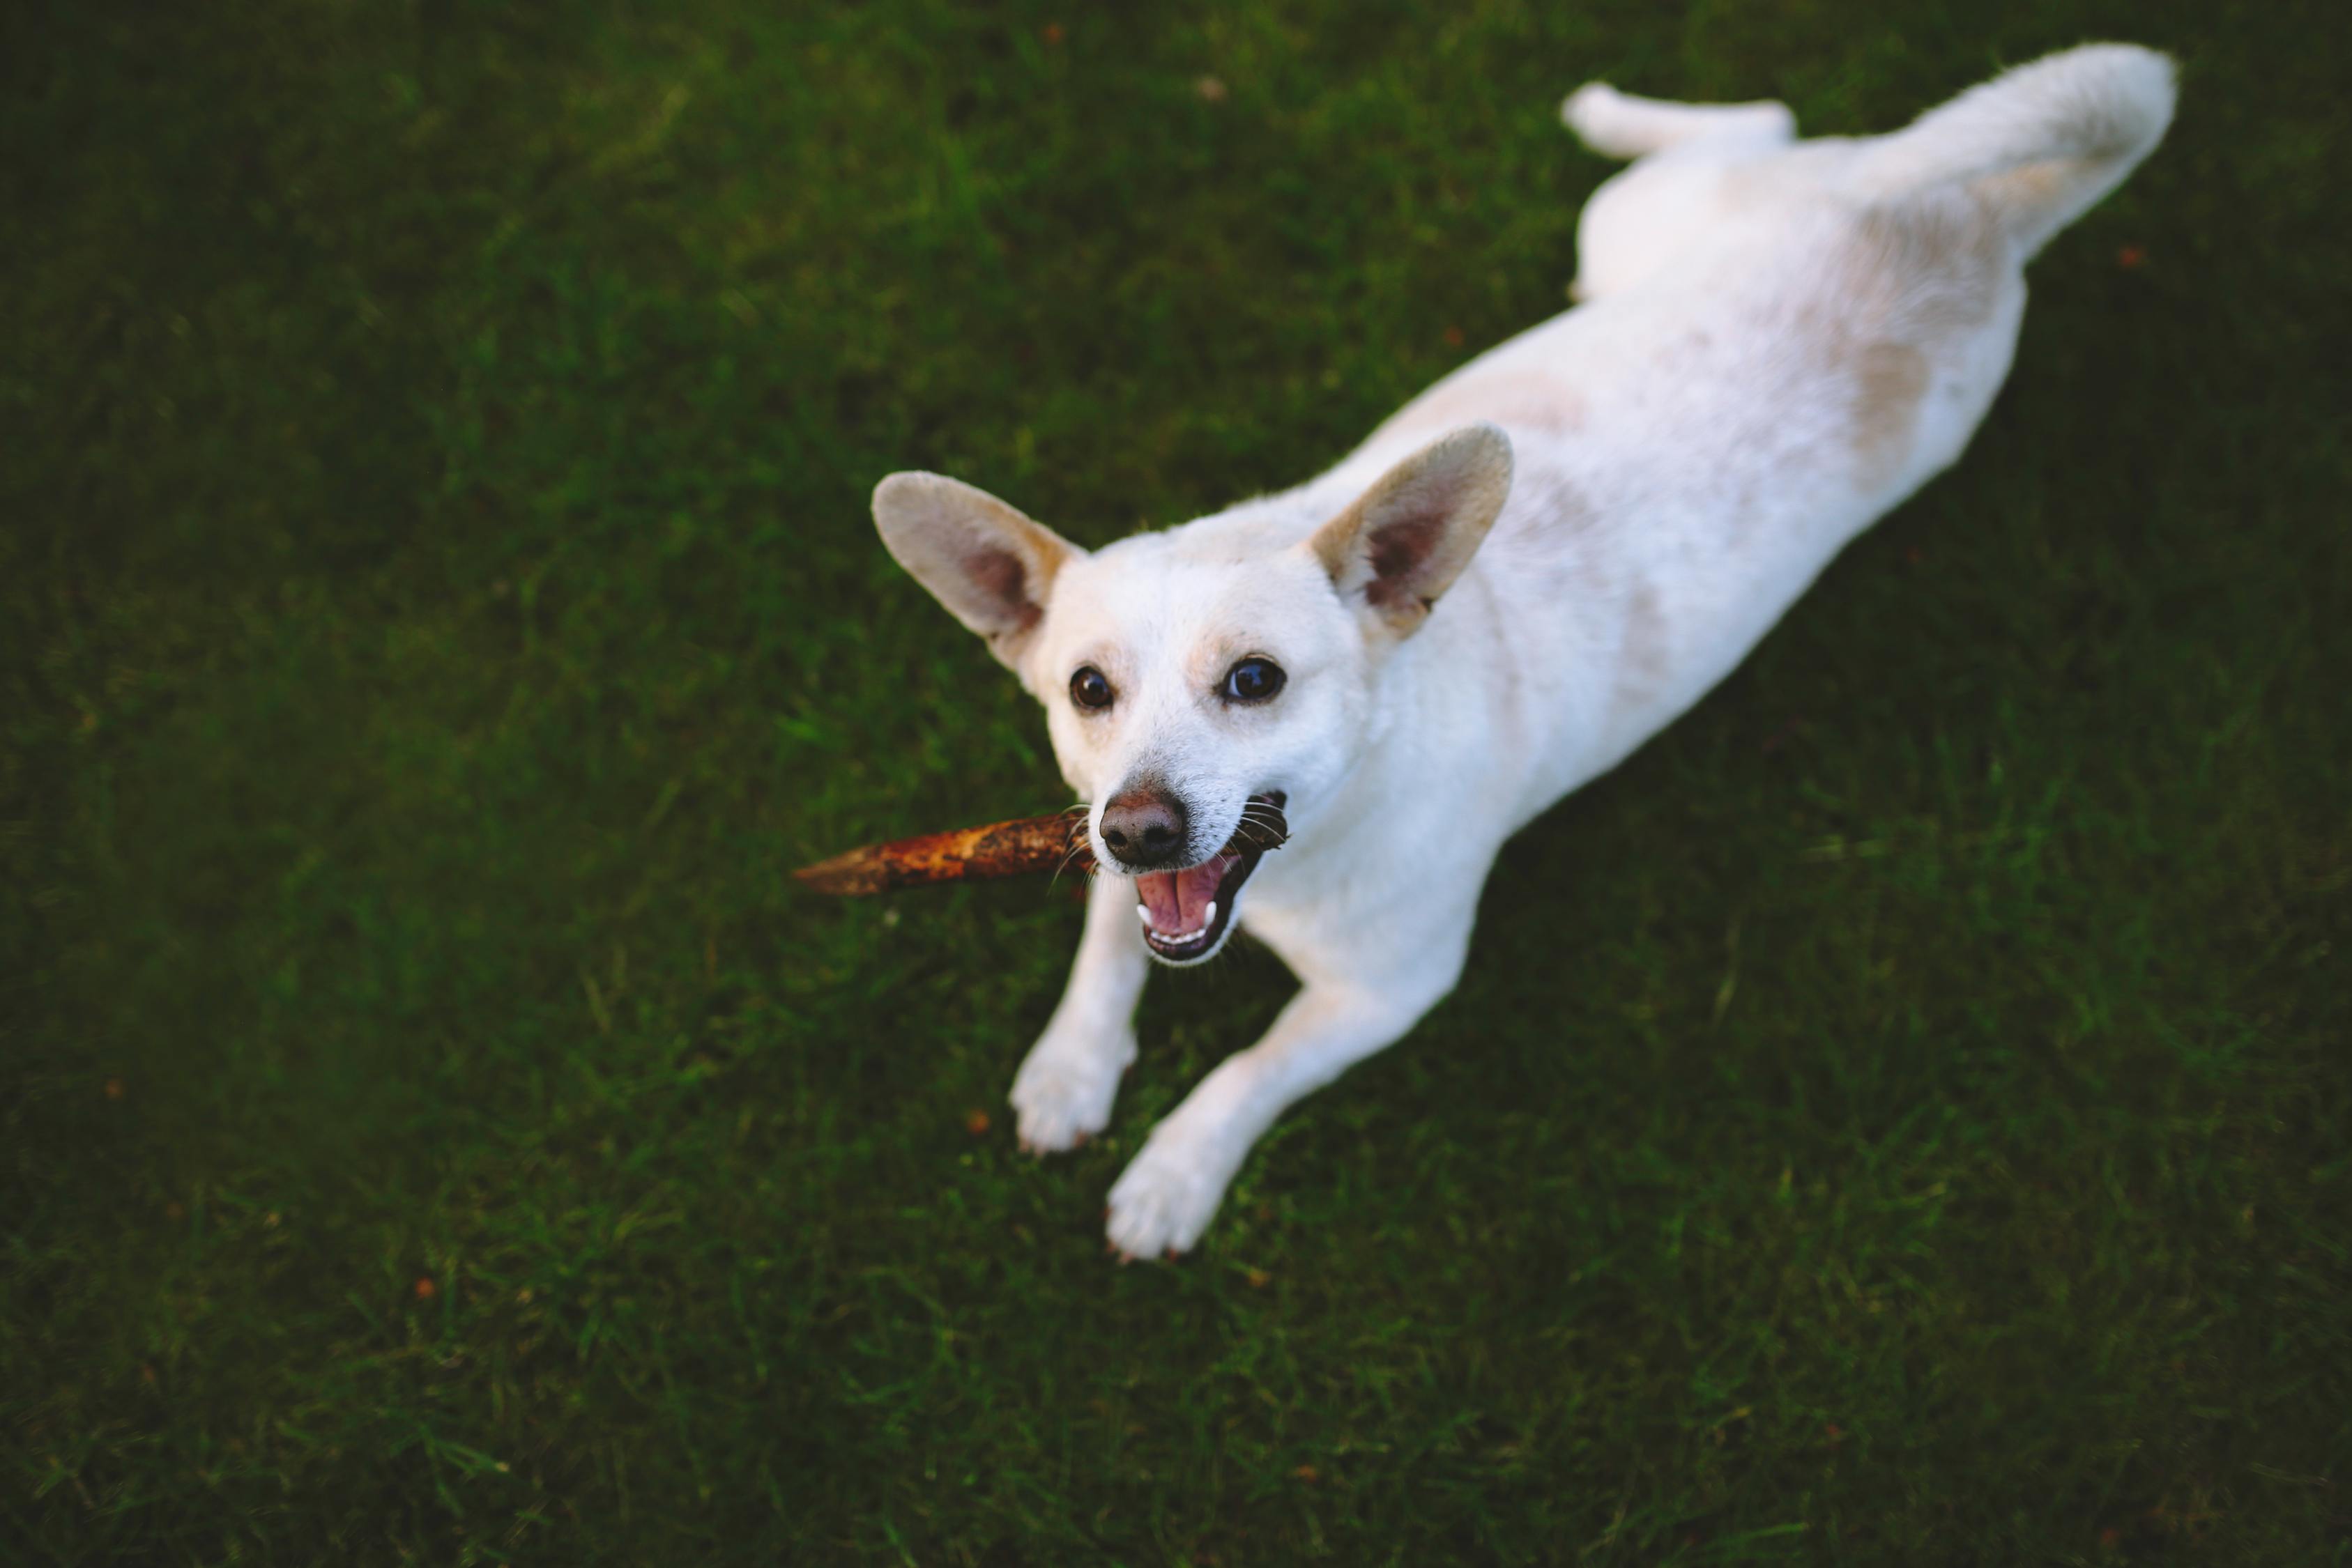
(1186, 912)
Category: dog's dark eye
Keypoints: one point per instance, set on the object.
(1252, 681)
(1088, 688)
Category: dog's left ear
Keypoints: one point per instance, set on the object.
(991, 566)
(1405, 540)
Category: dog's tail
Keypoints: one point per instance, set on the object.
(2042, 143)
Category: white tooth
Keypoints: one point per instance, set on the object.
(1209, 915)
(1145, 911)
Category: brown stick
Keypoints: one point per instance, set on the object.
(1018, 848)
(1000, 848)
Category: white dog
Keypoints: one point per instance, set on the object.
(1525, 573)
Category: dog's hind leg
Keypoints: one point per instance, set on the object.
(1620, 125)
(2038, 144)
(1641, 219)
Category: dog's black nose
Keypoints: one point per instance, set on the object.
(1144, 826)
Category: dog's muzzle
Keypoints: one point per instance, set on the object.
(1187, 912)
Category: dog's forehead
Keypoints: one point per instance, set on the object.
(1164, 595)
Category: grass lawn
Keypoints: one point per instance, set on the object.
(1902, 1115)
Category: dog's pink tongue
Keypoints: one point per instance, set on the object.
(1157, 888)
(1178, 900)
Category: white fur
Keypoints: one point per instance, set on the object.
(1782, 341)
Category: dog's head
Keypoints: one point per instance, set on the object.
(1187, 675)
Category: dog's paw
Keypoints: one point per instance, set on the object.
(1062, 1097)
(1162, 1201)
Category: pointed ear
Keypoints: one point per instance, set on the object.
(1405, 540)
(991, 566)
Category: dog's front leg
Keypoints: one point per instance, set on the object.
(1063, 1093)
(1165, 1198)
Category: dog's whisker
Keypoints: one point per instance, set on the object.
(1079, 845)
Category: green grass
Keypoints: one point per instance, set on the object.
(1904, 1115)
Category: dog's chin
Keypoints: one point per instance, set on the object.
(1186, 915)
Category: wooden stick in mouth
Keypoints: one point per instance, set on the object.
(1020, 848)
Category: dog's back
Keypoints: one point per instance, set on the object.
(1782, 341)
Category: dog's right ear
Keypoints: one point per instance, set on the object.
(992, 567)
